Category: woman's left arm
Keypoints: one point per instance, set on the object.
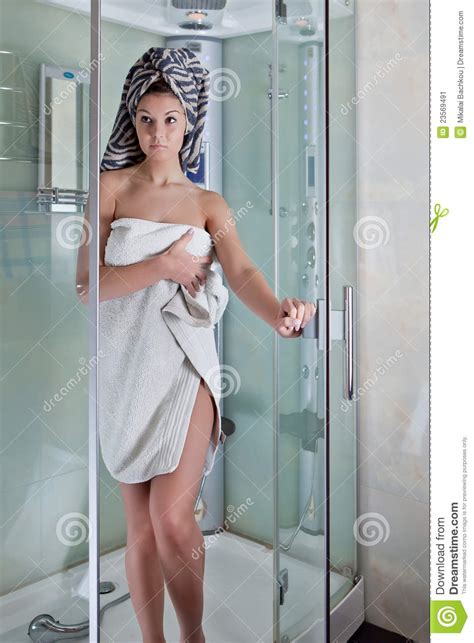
(287, 317)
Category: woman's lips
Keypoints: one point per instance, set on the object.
(163, 146)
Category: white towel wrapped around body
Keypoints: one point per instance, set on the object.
(156, 344)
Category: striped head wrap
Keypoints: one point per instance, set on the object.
(188, 79)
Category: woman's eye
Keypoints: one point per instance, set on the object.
(144, 117)
(172, 117)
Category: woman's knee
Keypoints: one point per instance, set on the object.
(173, 529)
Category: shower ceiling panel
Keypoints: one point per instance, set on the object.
(159, 16)
(236, 18)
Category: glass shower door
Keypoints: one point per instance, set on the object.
(314, 165)
(44, 328)
(299, 162)
(344, 237)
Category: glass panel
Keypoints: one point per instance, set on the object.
(300, 199)
(122, 45)
(342, 284)
(44, 363)
(235, 510)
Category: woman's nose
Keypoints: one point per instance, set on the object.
(158, 134)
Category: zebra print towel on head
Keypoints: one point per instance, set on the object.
(188, 79)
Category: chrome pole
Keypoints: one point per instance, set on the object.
(93, 304)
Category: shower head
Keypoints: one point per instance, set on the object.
(300, 17)
(197, 5)
(196, 15)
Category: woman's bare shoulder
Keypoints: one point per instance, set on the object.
(215, 208)
(213, 203)
(116, 182)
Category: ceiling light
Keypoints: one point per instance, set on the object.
(196, 15)
(301, 22)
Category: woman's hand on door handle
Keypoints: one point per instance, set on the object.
(293, 316)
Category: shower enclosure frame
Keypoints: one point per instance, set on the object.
(279, 11)
(343, 605)
(93, 304)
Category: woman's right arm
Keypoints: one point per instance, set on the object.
(115, 281)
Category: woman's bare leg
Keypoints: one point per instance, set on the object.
(178, 536)
(142, 563)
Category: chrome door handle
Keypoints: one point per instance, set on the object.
(341, 328)
(312, 328)
(349, 343)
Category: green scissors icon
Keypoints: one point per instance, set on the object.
(439, 213)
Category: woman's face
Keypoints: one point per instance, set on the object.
(160, 120)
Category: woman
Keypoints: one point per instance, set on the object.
(145, 184)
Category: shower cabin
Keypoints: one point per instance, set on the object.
(279, 511)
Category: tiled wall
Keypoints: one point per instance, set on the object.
(392, 137)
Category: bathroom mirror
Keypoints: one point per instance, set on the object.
(62, 170)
